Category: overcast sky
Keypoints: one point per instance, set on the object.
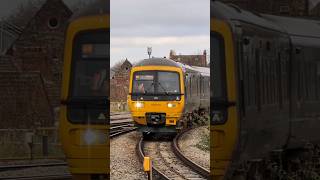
(182, 25)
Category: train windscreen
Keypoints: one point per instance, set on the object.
(164, 85)
(89, 87)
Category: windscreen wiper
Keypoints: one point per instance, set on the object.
(164, 89)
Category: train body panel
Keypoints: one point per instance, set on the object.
(161, 91)
(269, 71)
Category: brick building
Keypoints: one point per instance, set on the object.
(31, 70)
(276, 7)
(40, 45)
(23, 101)
(315, 11)
(119, 82)
(192, 60)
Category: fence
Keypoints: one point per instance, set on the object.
(118, 106)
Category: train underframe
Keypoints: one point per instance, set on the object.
(156, 122)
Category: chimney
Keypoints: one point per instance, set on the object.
(172, 53)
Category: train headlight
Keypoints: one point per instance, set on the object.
(171, 105)
(139, 105)
(91, 137)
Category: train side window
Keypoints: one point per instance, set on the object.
(258, 79)
(190, 85)
(318, 79)
(279, 77)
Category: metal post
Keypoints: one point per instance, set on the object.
(149, 49)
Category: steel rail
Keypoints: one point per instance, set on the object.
(24, 166)
(155, 172)
(199, 169)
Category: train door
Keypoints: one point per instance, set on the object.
(223, 111)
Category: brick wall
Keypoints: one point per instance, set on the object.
(23, 101)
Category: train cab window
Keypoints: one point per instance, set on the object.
(143, 82)
(89, 72)
(164, 85)
(89, 77)
(168, 82)
(218, 67)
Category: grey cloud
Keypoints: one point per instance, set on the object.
(168, 15)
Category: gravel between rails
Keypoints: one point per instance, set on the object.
(165, 161)
(187, 144)
(123, 158)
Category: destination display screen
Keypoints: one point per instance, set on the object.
(95, 51)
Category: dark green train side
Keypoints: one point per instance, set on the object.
(265, 96)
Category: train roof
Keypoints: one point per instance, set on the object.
(157, 62)
(234, 13)
(301, 31)
(168, 62)
(95, 8)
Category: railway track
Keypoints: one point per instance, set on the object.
(24, 166)
(42, 177)
(168, 161)
(37, 176)
(121, 123)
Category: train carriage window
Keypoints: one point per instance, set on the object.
(279, 77)
(258, 79)
(318, 79)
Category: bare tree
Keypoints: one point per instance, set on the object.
(117, 66)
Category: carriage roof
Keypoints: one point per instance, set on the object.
(168, 62)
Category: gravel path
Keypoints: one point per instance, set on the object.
(123, 158)
(187, 144)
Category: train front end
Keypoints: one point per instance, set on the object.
(223, 96)
(83, 124)
(156, 97)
